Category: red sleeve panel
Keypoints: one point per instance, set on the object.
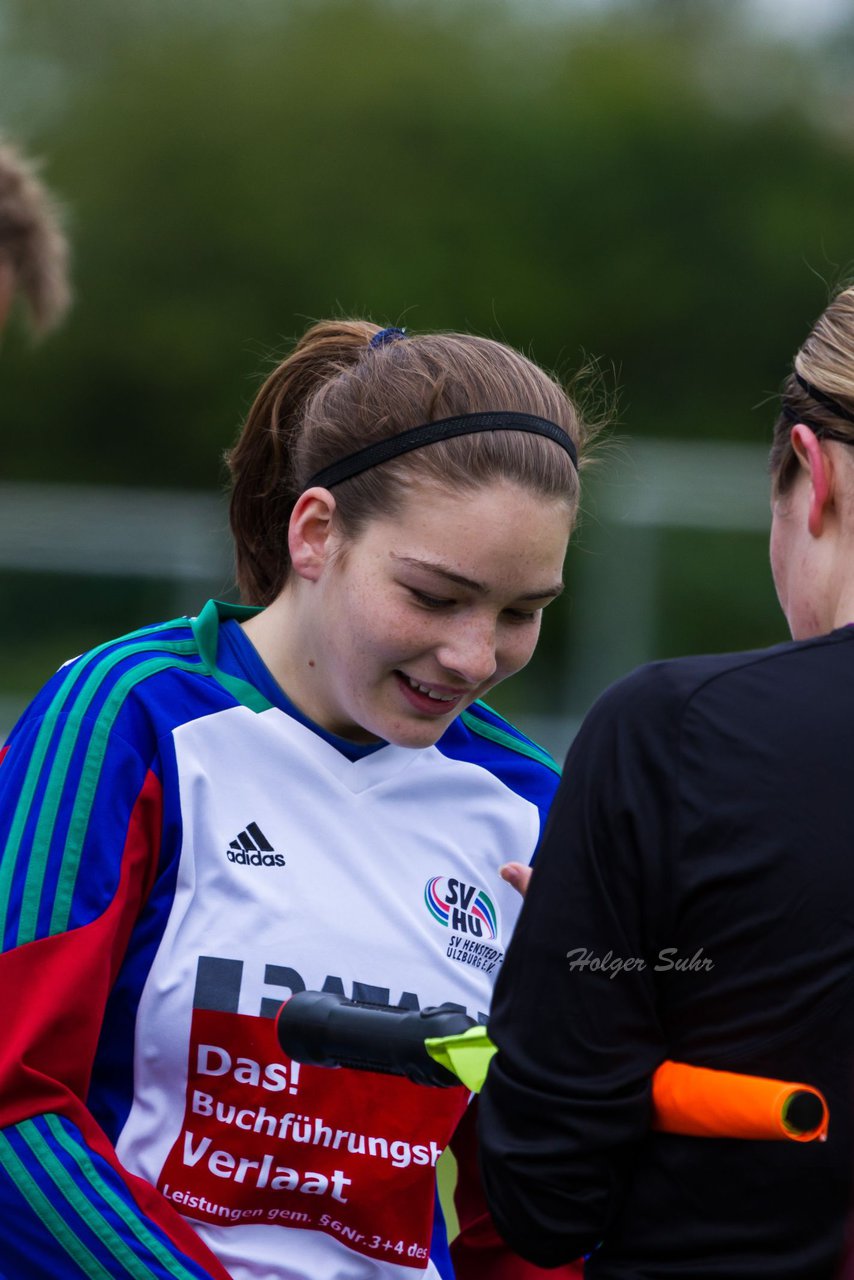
(479, 1250)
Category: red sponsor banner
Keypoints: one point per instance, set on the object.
(350, 1153)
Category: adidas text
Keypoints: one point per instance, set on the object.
(257, 859)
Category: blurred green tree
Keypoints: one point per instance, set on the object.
(647, 183)
(572, 185)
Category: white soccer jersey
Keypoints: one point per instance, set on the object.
(275, 859)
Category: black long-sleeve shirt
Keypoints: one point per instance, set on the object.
(693, 900)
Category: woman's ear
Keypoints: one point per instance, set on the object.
(819, 467)
(310, 532)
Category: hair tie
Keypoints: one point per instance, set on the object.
(391, 334)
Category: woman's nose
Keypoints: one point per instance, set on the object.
(471, 653)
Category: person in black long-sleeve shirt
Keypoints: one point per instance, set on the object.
(694, 900)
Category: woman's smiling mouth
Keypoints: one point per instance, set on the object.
(427, 697)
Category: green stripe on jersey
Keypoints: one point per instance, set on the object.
(496, 734)
(35, 874)
(89, 777)
(52, 1219)
(126, 1257)
(137, 1225)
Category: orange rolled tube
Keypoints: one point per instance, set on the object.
(704, 1103)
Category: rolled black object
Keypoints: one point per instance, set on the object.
(324, 1029)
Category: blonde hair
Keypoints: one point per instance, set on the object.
(335, 394)
(826, 362)
(32, 240)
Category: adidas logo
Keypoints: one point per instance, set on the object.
(251, 848)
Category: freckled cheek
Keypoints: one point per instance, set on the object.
(517, 651)
(413, 630)
(398, 636)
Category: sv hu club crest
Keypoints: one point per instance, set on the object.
(465, 908)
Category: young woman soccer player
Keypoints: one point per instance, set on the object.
(208, 815)
(694, 899)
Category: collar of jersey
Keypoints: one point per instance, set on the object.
(234, 662)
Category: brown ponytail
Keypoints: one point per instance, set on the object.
(262, 463)
(336, 394)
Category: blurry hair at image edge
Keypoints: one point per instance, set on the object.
(33, 247)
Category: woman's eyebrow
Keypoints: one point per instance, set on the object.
(460, 581)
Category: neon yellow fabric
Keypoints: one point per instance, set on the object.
(467, 1055)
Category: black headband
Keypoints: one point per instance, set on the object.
(445, 429)
(793, 415)
(821, 397)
